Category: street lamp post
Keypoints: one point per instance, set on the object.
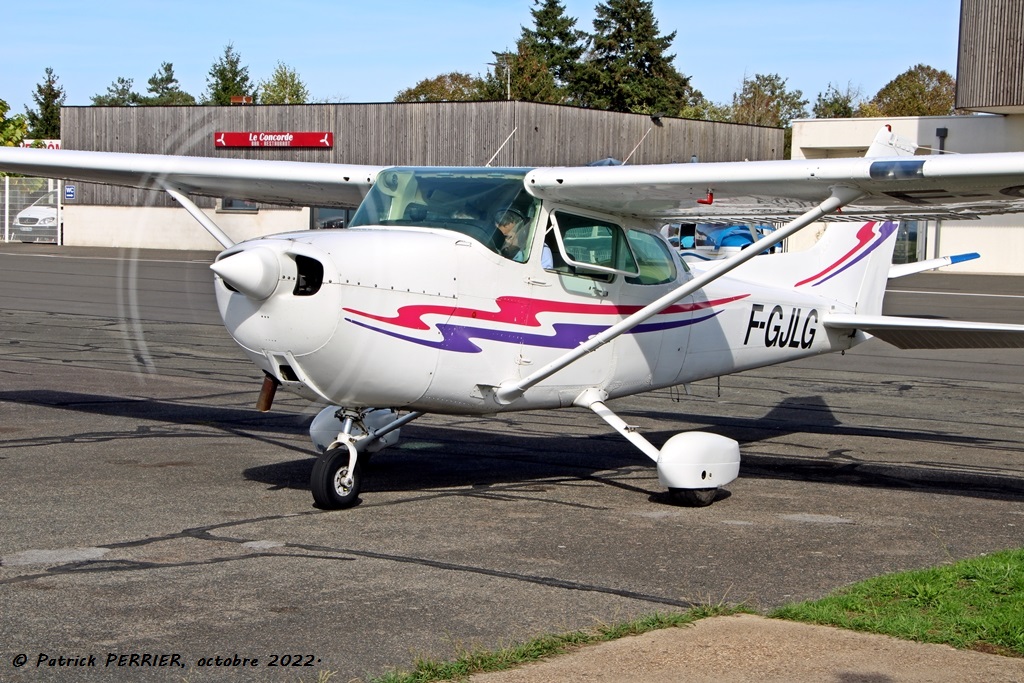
(508, 73)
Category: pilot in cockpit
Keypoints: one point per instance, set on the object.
(513, 228)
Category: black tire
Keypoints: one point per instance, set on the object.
(325, 480)
(694, 498)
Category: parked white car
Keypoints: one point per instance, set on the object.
(38, 222)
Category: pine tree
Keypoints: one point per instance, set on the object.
(119, 94)
(521, 75)
(165, 90)
(44, 121)
(227, 79)
(554, 40)
(628, 68)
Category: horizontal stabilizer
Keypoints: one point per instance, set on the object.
(922, 333)
(905, 269)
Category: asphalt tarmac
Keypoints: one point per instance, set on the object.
(148, 509)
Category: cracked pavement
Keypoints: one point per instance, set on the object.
(147, 507)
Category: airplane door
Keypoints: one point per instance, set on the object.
(653, 353)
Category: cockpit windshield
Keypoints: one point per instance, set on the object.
(490, 205)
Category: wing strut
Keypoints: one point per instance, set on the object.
(841, 196)
(200, 216)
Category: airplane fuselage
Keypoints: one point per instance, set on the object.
(430, 319)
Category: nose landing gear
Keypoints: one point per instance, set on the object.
(337, 474)
(337, 477)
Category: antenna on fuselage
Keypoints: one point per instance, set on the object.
(502, 146)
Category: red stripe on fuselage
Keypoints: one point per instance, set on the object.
(523, 311)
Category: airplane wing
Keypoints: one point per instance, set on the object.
(802, 191)
(274, 182)
(924, 333)
(946, 186)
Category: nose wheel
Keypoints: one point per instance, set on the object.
(336, 478)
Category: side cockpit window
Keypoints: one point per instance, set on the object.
(592, 245)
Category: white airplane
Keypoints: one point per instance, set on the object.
(477, 291)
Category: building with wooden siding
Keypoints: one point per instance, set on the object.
(504, 133)
(990, 61)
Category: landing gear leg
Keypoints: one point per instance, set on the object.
(692, 465)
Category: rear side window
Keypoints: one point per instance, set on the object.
(654, 259)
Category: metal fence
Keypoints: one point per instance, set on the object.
(30, 210)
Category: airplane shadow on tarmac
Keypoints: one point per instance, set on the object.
(432, 457)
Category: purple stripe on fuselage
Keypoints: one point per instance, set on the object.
(458, 338)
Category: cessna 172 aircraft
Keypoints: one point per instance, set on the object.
(479, 290)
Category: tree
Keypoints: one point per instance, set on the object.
(165, 90)
(450, 87)
(521, 75)
(764, 101)
(119, 94)
(554, 40)
(919, 91)
(12, 130)
(227, 79)
(705, 110)
(628, 68)
(44, 121)
(283, 87)
(837, 104)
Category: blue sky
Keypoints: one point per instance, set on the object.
(349, 51)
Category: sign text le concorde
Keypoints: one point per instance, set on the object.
(273, 139)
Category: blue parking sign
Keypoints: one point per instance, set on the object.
(69, 192)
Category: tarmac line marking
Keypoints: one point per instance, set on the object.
(991, 296)
(105, 258)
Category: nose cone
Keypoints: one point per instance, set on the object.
(254, 272)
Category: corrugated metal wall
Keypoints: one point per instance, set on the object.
(444, 134)
(990, 64)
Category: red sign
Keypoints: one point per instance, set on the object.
(48, 144)
(273, 139)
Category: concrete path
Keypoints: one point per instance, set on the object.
(751, 648)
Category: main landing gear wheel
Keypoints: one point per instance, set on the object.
(694, 498)
(328, 480)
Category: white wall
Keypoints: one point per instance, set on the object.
(826, 138)
(170, 228)
(999, 239)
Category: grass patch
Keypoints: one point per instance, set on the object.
(473, 661)
(975, 604)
